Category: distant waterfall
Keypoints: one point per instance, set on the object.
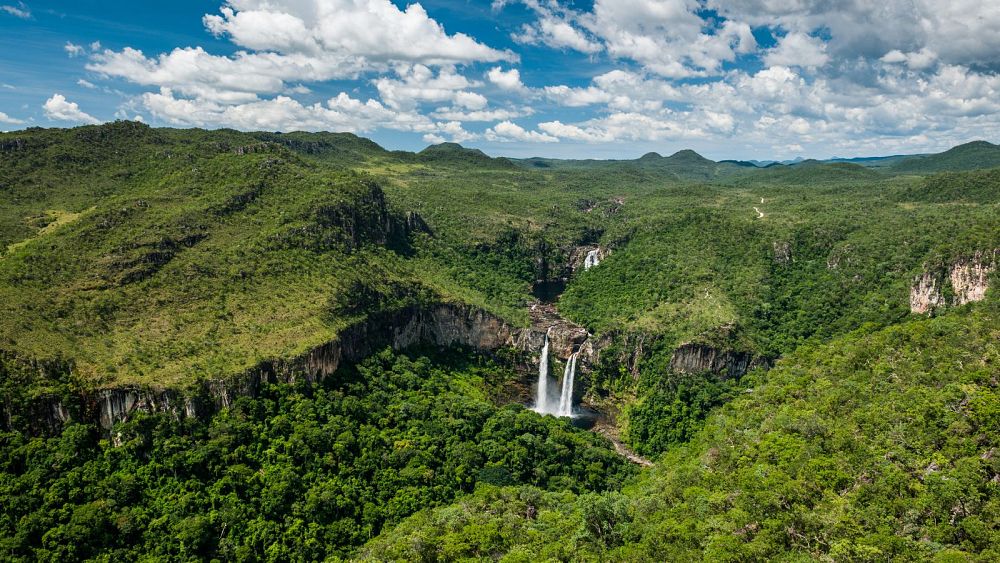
(593, 258)
(542, 395)
(566, 397)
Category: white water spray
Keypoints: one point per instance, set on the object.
(593, 258)
(566, 397)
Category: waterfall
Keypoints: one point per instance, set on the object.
(542, 395)
(566, 397)
(593, 258)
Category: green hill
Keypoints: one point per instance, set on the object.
(970, 156)
(454, 153)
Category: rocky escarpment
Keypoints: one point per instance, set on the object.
(700, 358)
(964, 281)
(443, 325)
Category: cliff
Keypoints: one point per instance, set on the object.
(967, 281)
(728, 364)
(441, 325)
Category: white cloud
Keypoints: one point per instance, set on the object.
(376, 30)
(454, 131)
(577, 97)
(919, 60)
(506, 131)
(194, 72)
(20, 11)
(72, 49)
(557, 33)
(341, 113)
(798, 49)
(506, 80)
(459, 114)
(4, 118)
(957, 31)
(418, 83)
(60, 109)
(667, 37)
(86, 84)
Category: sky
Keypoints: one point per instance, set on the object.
(745, 79)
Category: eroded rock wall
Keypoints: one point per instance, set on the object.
(968, 279)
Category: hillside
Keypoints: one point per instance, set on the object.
(878, 445)
(970, 156)
(269, 345)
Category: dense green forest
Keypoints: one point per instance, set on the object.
(298, 473)
(880, 445)
(160, 260)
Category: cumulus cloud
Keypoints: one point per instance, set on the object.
(72, 49)
(459, 114)
(958, 31)
(850, 75)
(418, 83)
(373, 29)
(507, 131)
(506, 79)
(20, 11)
(288, 44)
(4, 118)
(60, 109)
(798, 49)
(341, 113)
(667, 37)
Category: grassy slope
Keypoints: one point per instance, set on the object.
(166, 256)
(878, 445)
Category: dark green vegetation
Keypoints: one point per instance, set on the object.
(877, 446)
(161, 257)
(299, 473)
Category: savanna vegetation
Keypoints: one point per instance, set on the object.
(132, 256)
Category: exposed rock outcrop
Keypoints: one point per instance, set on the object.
(968, 280)
(970, 277)
(925, 294)
(443, 325)
(699, 358)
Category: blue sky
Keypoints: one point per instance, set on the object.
(602, 79)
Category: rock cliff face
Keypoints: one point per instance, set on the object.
(442, 325)
(925, 295)
(968, 279)
(698, 358)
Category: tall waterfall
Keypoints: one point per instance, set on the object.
(542, 395)
(593, 258)
(566, 397)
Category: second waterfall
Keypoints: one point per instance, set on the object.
(566, 397)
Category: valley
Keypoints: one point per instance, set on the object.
(302, 346)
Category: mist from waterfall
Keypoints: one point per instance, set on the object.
(566, 397)
(593, 258)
